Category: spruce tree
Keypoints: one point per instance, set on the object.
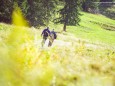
(40, 12)
(6, 7)
(69, 14)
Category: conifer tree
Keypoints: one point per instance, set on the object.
(40, 12)
(6, 7)
(69, 14)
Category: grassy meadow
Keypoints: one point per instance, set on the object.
(82, 56)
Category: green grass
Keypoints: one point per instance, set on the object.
(92, 28)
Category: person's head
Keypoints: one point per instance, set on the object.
(47, 27)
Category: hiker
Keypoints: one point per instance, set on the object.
(45, 33)
(52, 37)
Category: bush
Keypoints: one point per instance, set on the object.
(110, 12)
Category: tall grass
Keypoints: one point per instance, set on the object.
(24, 63)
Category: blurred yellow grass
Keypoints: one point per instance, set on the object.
(18, 18)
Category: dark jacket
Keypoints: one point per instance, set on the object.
(54, 33)
(46, 32)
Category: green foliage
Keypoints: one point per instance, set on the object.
(38, 12)
(41, 11)
(108, 9)
(110, 12)
(23, 4)
(89, 5)
(107, 0)
(69, 14)
(6, 7)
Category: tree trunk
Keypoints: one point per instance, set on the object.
(31, 5)
(64, 28)
(30, 2)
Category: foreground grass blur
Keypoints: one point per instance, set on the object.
(24, 63)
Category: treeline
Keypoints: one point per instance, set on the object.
(94, 4)
(41, 12)
(105, 7)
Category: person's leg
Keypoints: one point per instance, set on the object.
(49, 44)
(51, 39)
(43, 41)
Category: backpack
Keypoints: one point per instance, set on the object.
(45, 32)
(55, 36)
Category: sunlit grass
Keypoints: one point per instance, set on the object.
(92, 29)
(76, 64)
(72, 62)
